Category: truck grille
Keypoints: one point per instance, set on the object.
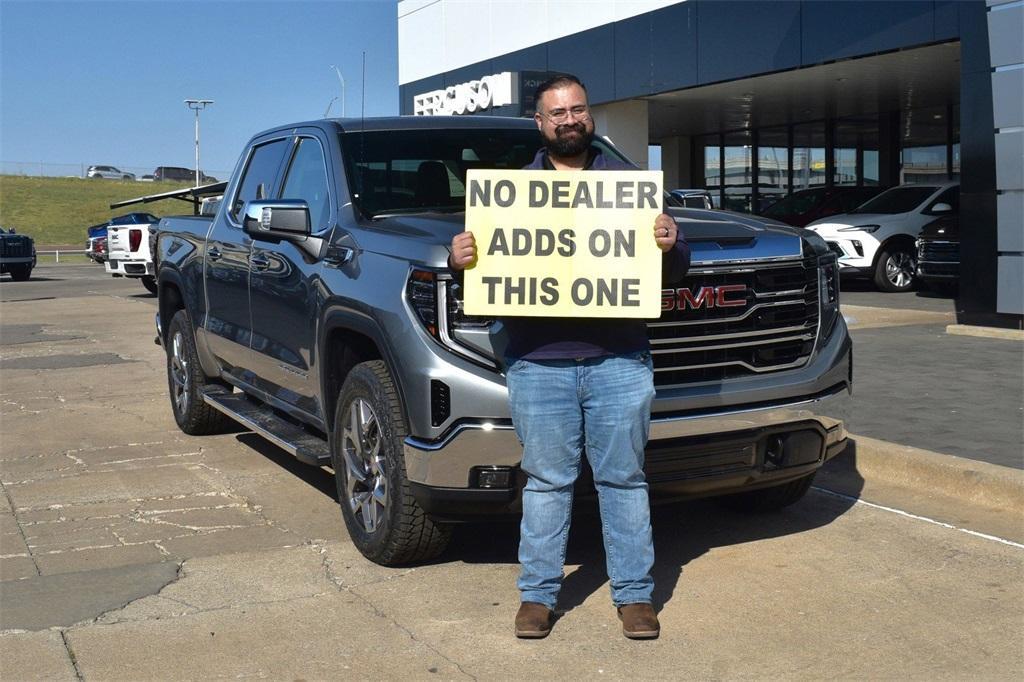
(938, 252)
(15, 247)
(736, 321)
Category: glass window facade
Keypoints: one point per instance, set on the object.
(749, 170)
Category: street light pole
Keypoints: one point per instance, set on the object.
(338, 71)
(197, 105)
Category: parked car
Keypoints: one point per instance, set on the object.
(96, 242)
(938, 254)
(17, 254)
(877, 239)
(129, 252)
(109, 172)
(807, 205)
(179, 174)
(693, 198)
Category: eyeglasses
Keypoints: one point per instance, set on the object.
(580, 113)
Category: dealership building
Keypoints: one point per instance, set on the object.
(755, 99)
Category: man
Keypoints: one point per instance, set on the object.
(581, 385)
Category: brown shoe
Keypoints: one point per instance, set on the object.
(533, 621)
(639, 621)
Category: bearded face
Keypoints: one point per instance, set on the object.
(569, 139)
(571, 136)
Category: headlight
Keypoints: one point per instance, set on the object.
(436, 299)
(828, 293)
(860, 228)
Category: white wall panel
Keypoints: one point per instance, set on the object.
(1010, 296)
(441, 35)
(420, 40)
(1010, 209)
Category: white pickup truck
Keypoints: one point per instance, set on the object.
(128, 249)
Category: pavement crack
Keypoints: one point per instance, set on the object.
(381, 614)
(71, 654)
(21, 531)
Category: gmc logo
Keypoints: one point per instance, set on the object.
(725, 296)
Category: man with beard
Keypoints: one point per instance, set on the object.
(581, 385)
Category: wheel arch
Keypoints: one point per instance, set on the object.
(349, 338)
(902, 239)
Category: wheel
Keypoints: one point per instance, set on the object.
(126, 177)
(770, 499)
(383, 519)
(21, 273)
(894, 270)
(150, 284)
(185, 380)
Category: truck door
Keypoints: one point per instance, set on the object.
(283, 285)
(228, 324)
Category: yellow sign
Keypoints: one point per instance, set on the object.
(564, 243)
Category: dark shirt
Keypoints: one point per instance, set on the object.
(559, 338)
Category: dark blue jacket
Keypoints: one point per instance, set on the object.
(559, 338)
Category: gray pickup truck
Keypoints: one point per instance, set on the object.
(315, 308)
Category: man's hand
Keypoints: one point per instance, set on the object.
(665, 232)
(464, 251)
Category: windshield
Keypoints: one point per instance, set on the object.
(897, 200)
(414, 171)
(798, 203)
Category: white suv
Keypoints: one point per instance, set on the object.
(109, 172)
(876, 239)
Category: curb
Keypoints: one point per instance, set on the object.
(986, 332)
(976, 482)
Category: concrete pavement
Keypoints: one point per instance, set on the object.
(131, 551)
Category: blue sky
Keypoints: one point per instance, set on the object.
(95, 82)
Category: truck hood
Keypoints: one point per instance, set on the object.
(425, 237)
(422, 238)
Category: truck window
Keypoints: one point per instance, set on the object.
(307, 179)
(407, 171)
(259, 175)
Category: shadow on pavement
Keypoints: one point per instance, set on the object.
(683, 530)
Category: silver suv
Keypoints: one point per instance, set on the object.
(109, 172)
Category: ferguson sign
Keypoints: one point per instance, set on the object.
(467, 98)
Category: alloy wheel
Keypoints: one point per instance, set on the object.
(366, 477)
(179, 373)
(899, 269)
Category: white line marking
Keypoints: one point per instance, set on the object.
(920, 518)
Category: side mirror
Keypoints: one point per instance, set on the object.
(941, 208)
(279, 218)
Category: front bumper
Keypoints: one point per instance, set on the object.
(689, 455)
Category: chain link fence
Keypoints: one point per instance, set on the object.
(80, 170)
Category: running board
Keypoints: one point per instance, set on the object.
(307, 448)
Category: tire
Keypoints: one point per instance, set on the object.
(770, 499)
(895, 268)
(185, 382)
(150, 284)
(383, 519)
(126, 177)
(21, 273)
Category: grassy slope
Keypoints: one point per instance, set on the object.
(57, 211)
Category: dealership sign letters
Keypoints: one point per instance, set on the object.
(467, 98)
(565, 244)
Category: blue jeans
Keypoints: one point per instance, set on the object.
(560, 409)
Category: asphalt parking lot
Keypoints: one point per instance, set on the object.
(131, 551)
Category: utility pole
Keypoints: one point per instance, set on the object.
(197, 105)
(338, 71)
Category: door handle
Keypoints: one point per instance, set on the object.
(213, 253)
(259, 262)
